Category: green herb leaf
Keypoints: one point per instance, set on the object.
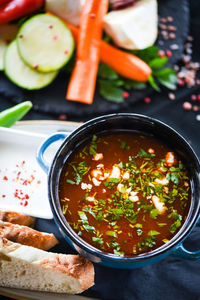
(153, 84)
(97, 240)
(105, 72)
(110, 92)
(153, 232)
(154, 213)
(90, 211)
(139, 232)
(82, 215)
(111, 233)
(174, 178)
(167, 77)
(93, 145)
(70, 181)
(89, 228)
(121, 253)
(147, 54)
(124, 146)
(158, 63)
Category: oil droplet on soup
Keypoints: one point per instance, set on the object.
(125, 193)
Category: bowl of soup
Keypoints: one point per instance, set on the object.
(124, 190)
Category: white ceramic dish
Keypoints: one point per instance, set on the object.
(23, 182)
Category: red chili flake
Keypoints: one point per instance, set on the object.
(5, 178)
(55, 37)
(3, 196)
(26, 203)
(126, 94)
(147, 100)
(26, 196)
(181, 82)
(62, 117)
(198, 97)
(25, 182)
(21, 203)
(38, 182)
(50, 26)
(187, 105)
(66, 52)
(168, 53)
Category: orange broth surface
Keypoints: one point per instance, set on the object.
(125, 193)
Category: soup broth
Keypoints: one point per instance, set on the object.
(125, 193)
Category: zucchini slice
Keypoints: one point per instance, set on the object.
(8, 33)
(21, 74)
(45, 42)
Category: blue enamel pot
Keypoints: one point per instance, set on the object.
(122, 122)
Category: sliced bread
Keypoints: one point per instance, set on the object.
(16, 218)
(27, 236)
(30, 268)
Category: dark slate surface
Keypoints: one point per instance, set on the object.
(52, 98)
(172, 278)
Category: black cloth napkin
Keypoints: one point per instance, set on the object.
(171, 278)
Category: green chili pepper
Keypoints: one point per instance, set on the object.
(11, 115)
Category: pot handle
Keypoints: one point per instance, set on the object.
(184, 253)
(181, 252)
(41, 150)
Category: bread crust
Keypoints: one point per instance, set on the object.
(76, 266)
(73, 266)
(27, 236)
(16, 218)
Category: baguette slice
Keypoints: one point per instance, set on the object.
(16, 218)
(27, 236)
(33, 269)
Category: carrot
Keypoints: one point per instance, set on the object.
(125, 64)
(83, 80)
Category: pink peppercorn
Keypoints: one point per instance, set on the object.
(62, 117)
(195, 108)
(168, 53)
(187, 105)
(181, 82)
(126, 94)
(198, 97)
(161, 53)
(193, 97)
(147, 100)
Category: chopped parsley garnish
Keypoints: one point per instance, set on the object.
(93, 145)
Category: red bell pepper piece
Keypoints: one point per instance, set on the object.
(15, 9)
(3, 1)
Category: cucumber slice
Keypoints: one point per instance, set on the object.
(21, 74)
(7, 33)
(45, 42)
